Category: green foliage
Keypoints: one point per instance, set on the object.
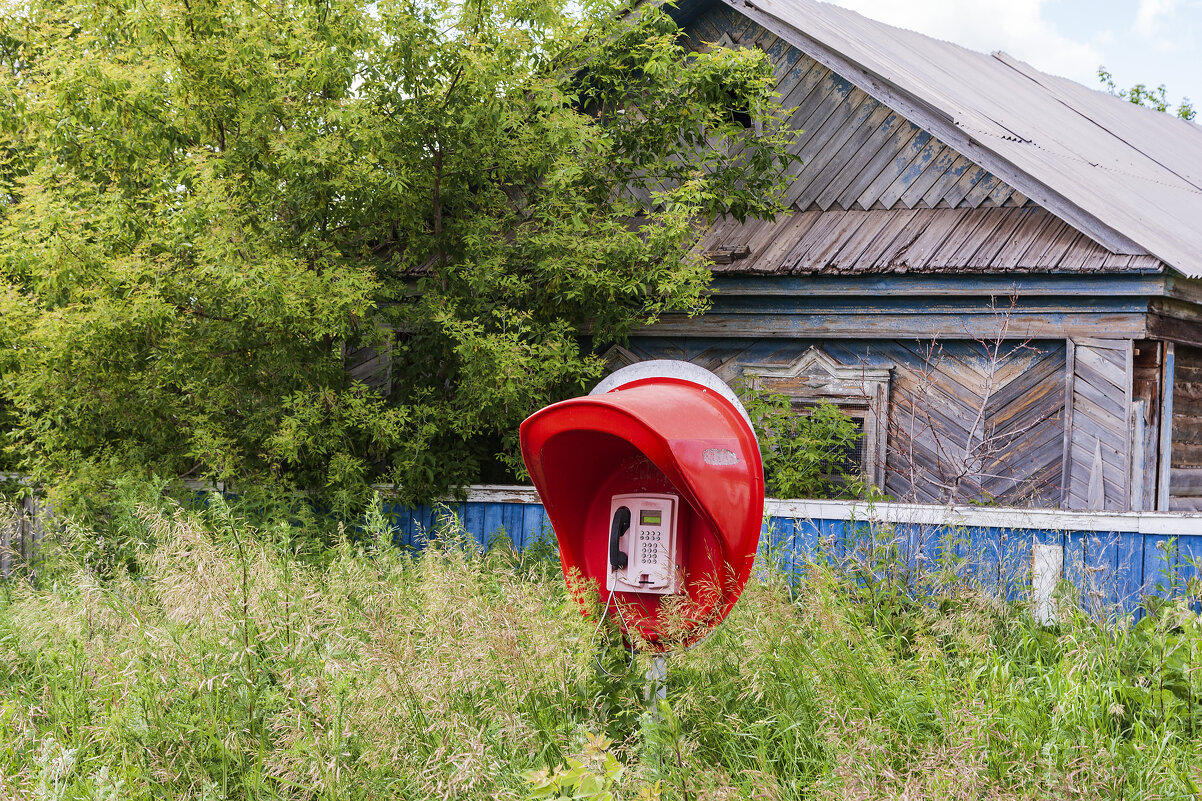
(236, 664)
(592, 777)
(805, 454)
(202, 204)
(1142, 95)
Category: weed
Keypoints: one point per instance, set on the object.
(230, 656)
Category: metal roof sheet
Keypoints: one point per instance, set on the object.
(1125, 175)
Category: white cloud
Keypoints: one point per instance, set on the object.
(1169, 25)
(1151, 15)
(1018, 27)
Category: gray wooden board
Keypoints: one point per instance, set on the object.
(948, 180)
(1045, 243)
(899, 134)
(847, 123)
(821, 181)
(1099, 394)
(971, 177)
(784, 238)
(1105, 364)
(1092, 424)
(905, 154)
(802, 85)
(818, 94)
(1035, 378)
(831, 121)
(817, 233)
(880, 250)
(819, 256)
(962, 241)
(1007, 227)
(984, 188)
(914, 193)
(1035, 222)
(859, 151)
(1001, 193)
(852, 249)
(938, 228)
(910, 173)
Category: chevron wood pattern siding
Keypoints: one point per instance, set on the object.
(974, 423)
(855, 152)
(1099, 447)
(965, 424)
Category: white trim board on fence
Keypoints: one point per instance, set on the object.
(1164, 523)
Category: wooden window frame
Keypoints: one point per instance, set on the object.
(858, 389)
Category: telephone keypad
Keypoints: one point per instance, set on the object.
(649, 545)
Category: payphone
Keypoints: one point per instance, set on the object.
(654, 486)
(642, 544)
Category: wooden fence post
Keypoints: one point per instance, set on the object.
(21, 532)
(10, 523)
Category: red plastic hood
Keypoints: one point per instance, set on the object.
(653, 435)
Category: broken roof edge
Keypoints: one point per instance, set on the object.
(968, 135)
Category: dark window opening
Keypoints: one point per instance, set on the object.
(849, 457)
(742, 116)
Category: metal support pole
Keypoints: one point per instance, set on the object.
(657, 683)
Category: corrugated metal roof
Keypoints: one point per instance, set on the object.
(1126, 175)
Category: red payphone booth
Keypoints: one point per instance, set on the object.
(655, 488)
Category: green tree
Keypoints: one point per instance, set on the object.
(1142, 95)
(203, 203)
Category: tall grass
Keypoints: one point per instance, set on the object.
(233, 661)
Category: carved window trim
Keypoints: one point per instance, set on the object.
(859, 390)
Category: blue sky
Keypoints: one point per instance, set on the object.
(1139, 41)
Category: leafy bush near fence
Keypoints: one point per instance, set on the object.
(806, 455)
(243, 661)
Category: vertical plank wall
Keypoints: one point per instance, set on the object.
(1100, 432)
(1185, 483)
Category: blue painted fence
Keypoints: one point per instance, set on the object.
(1114, 559)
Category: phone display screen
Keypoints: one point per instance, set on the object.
(650, 517)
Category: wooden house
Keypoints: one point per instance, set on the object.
(994, 270)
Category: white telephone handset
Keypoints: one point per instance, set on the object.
(642, 544)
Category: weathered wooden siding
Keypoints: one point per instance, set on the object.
(371, 366)
(964, 423)
(1185, 488)
(901, 240)
(977, 423)
(855, 152)
(873, 191)
(1100, 433)
(863, 313)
